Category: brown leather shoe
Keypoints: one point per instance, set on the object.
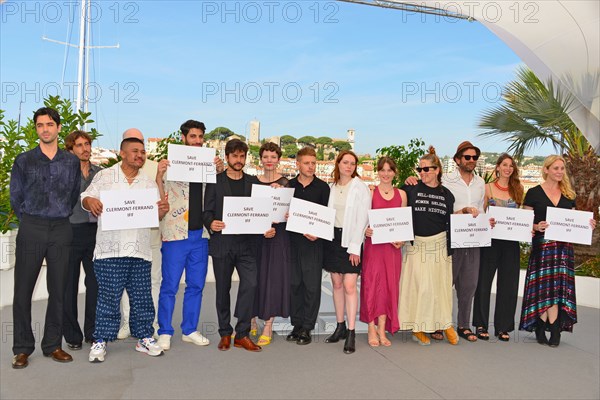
(224, 343)
(20, 361)
(247, 344)
(60, 355)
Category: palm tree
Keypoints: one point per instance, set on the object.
(533, 114)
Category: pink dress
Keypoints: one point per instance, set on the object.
(380, 279)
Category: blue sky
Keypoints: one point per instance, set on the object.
(300, 68)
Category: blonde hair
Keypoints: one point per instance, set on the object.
(565, 182)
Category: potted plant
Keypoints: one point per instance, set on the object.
(14, 140)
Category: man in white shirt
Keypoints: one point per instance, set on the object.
(469, 190)
(149, 168)
(122, 258)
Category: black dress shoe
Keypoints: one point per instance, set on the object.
(350, 344)
(340, 333)
(74, 346)
(293, 335)
(304, 337)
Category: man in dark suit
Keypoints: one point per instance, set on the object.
(232, 251)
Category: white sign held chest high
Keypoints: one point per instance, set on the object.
(306, 217)
(572, 226)
(511, 223)
(466, 231)
(281, 199)
(246, 215)
(391, 225)
(129, 209)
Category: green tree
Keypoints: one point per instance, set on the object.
(406, 158)
(323, 141)
(290, 150)
(220, 133)
(307, 141)
(18, 139)
(534, 113)
(287, 139)
(341, 145)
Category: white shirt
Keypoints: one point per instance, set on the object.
(126, 242)
(471, 195)
(356, 213)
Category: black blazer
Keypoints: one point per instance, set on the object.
(220, 245)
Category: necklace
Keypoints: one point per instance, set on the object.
(504, 189)
(385, 191)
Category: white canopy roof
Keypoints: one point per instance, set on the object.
(558, 39)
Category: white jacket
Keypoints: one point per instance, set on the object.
(356, 218)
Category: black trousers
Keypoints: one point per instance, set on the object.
(40, 238)
(242, 257)
(307, 270)
(82, 252)
(503, 257)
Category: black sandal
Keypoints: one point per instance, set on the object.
(437, 335)
(503, 336)
(469, 336)
(482, 333)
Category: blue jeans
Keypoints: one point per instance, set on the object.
(191, 255)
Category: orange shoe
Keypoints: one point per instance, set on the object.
(421, 338)
(451, 335)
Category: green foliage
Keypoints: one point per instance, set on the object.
(220, 133)
(324, 141)
(341, 145)
(307, 141)
(331, 156)
(534, 113)
(406, 158)
(254, 151)
(162, 147)
(287, 139)
(290, 150)
(590, 267)
(20, 139)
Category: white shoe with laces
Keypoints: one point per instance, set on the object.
(97, 352)
(164, 341)
(148, 345)
(124, 331)
(196, 338)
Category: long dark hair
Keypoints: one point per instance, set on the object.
(515, 189)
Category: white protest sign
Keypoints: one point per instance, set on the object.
(511, 223)
(466, 231)
(129, 209)
(306, 217)
(246, 215)
(191, 164)
(570, 226)
(281, 199)
(391, 225)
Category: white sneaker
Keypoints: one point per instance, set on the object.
(124, 331)
(164, 341)
(149, 346)
(156, 327)
(97, 352)
(196, 338)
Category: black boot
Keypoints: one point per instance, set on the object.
(350, 345)
(554, 333)
(340, 333)
(540, 331)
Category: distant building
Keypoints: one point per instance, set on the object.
(350, 134)
(254, 132)
(275, 139)
(152, 145)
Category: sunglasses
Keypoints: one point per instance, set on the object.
(468, 158)
(426, 169)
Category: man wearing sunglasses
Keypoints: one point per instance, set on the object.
(468, 189)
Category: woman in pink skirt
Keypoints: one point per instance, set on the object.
(381, 265)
